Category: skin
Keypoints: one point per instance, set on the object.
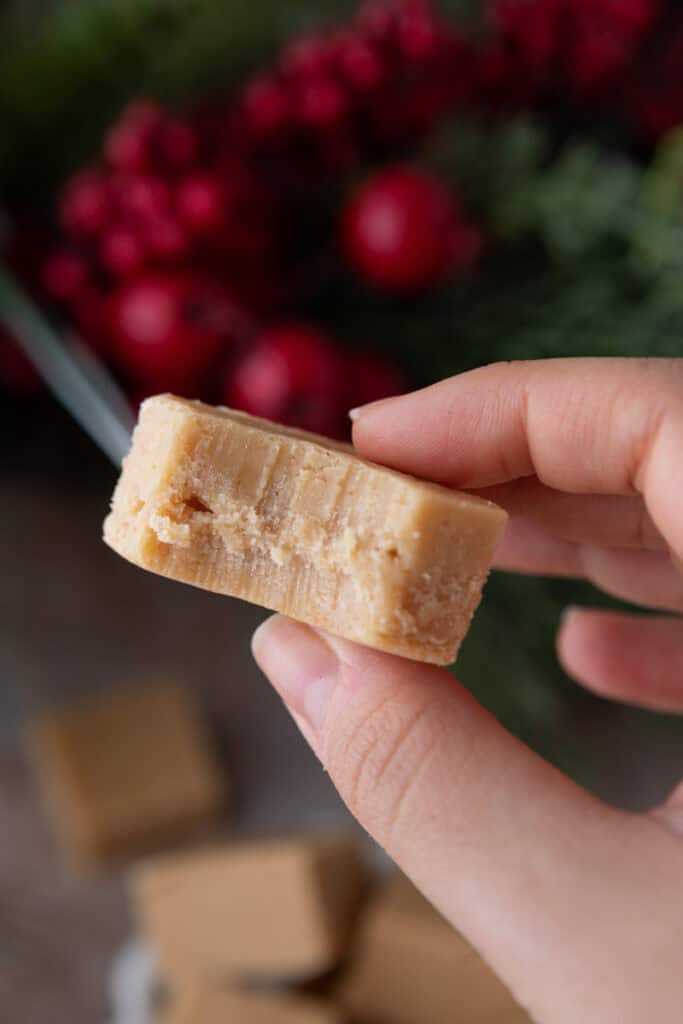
(577, 906)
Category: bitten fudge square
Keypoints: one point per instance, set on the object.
(303, 526)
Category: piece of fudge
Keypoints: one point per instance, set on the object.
(275, 910)
(213, 1006)
(410, 966)
(126, 771)
(303, 526)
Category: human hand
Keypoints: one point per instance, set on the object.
(576, 905)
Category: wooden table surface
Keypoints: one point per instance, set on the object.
(75, 619)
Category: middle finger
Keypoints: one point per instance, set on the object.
(602, 519)
(647, 578)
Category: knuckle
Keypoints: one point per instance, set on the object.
(677, 597)
(640, 531)
(385, 761)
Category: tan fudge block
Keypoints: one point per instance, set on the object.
(229, 1007)
(410, 967)
(301, 525)
(125, 771)
(279, 909)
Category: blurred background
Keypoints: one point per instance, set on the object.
(294, 208)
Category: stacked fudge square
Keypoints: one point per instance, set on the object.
(286, 931)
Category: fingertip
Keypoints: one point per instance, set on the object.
(571, 614)
(261, 636)
(301, 666)
(405, 433)
(370, 421)
(574, 642)
(602, 650)
(528, 548)
(362, 411)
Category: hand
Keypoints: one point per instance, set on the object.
(577, 906)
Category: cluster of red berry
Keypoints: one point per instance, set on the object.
(382, 81)
(562, 47)
(655, 97)
(192, 243)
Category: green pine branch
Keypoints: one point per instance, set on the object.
(575, 202)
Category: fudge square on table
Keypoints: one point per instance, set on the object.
(212, 1006)
(124, 771)
(410, 966)
(302, 525)
(275, 910)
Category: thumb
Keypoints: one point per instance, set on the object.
(671, 812)
(576, 906)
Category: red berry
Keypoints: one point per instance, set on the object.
(417, 35)
(17, 373)
(143, 114)
(372, 378)
(167, 330)
(127, 149)
(589, 42)
(398, 230)
(121, 251)
(310, 55)
(176, 142)
(128, 146)
(656, 99)
(165, 236)
(321, 101)
(201, 202)
(595, 58)
(532, 27)
(623, 17)
(85, 205)
(65, 275)
(360, 64)
(605, 36)
(376, 18)
(293, 375)
(266, 107)
(144, 195)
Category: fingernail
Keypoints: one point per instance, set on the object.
(355, 414)
(567, 614)
(300, 665)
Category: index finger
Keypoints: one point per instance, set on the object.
(585, 426)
